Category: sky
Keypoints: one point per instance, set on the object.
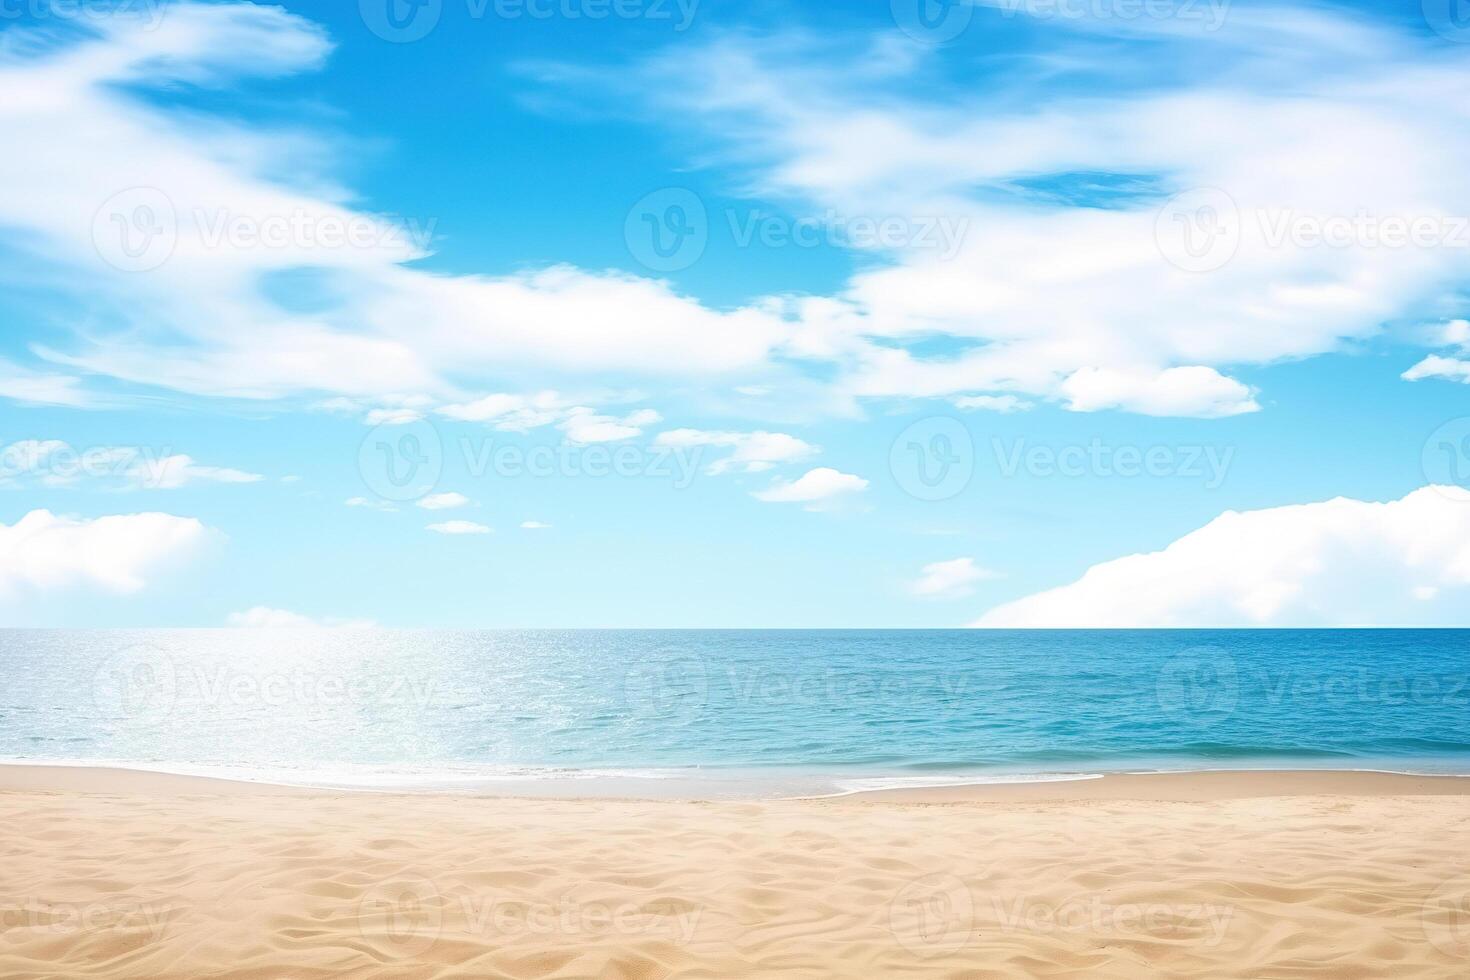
(676, 313)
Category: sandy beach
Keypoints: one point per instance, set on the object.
(1249, 875)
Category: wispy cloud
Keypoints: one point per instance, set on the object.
(370, 503)
(751, 452)
(266, 617)
(950, 579)
(1258, 222)
(584, 425)
(459, 527)
(57, 463)
(171, 211)
(443, 501)
(1050, 294)
(30, 387)
(172, 472)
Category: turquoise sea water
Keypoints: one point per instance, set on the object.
(814, 708)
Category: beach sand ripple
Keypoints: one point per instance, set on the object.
(303, 886)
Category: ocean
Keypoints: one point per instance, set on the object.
(793, 711)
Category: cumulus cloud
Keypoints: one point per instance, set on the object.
(459, 527)
(752, 452)
(264, 617)
(1341, 562)
(949, 579)
(44, 551)
(815, 487)
(442, 501)
(1193, 391)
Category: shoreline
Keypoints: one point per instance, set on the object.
(1198, 785)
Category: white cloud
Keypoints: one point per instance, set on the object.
(264, 617)
(583, 425)
(521, 413)
(58, 463)
(1005, 404)
(534, 525)
(459, 527)
(97, 148)
(172, 472)
(510, 412)
(387, 408)
(370, 504)
(1061, 285)
(950, 579)
(753, 451)
(392, 416)
(44, 551)
(1455, 333)
(1340, 562)
(443, 501)
(39, 388)
(1192, 391)
(814, 487)
(1040, 290)
(1435, 366)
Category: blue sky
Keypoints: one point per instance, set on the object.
(578, 313)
